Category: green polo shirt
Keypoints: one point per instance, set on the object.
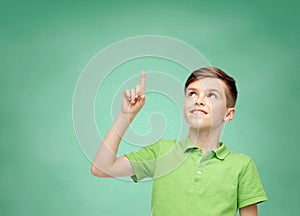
(185, 182)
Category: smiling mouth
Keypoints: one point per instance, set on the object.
(198, 111)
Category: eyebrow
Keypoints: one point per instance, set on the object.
(192, 89)
(208, 90)
(214, 90)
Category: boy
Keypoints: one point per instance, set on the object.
(196, 176)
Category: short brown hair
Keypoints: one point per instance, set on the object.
(231, 90)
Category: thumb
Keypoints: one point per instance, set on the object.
(143, 98)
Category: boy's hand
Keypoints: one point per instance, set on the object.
(134, 99)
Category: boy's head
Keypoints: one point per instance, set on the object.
(210, 96)
(230, 86)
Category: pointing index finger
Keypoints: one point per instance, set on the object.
(143, 83)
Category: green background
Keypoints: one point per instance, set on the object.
(45, 46)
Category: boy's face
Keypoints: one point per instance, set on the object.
(205, 104)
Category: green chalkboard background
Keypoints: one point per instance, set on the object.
(45, 45)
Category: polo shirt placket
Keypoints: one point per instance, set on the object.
(200, 162)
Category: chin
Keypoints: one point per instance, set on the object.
(199, 126)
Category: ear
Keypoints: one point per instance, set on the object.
(229, 114)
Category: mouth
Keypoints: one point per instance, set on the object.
(199, 111)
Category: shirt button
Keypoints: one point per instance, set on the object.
(199, 172)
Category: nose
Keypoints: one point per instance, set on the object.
(200, 101)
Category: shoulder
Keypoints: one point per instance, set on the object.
(163, 145)
(239, 156)
(245, 168)
(157, 148)
(223, 152)
(167, 143)
(240, 160)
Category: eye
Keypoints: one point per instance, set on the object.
(191, 93)
(212, 95)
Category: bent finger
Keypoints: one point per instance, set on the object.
(132, 95)
(137, 90)
(127, 94)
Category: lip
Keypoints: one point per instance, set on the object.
(199, 110)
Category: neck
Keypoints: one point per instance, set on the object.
(205, 139)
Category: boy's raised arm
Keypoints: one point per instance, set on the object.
(105, 163)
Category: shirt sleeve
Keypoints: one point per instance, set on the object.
(250, 189)
(143, 161)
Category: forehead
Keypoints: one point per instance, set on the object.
(208, 83)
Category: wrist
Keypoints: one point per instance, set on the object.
(125, 117)
(122, 123)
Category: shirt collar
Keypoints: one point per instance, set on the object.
(187, 145)
(222, 152)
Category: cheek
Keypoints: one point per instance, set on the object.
(187, 103)
(218, 108)
(185, 107)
